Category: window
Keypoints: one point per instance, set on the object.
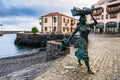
(45, 20)
(71, 29)
(64, 20)
(114, 15)
(97, 17)
(102, 17)
(45, 28)
(54, 19)
(72, 22)
(65, 24)
(63, 28)
(106, 16)
(113, 8)
(54, 29)
(68, 20)
(99, 10)
(68, 29)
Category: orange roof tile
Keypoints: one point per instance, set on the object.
(56, 14)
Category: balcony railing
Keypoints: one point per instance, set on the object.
(113, 8)
(97, 13)
(116, 10)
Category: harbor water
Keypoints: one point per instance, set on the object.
(8, 48)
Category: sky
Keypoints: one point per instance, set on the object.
(22, 15)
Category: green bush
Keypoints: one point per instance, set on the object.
(35, 30)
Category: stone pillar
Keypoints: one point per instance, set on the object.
(53, 50)
(104, 27)
(94, 29)
(117, 27)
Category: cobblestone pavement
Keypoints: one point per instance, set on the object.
(104, 54)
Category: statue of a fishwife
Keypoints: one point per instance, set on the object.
(83, 29)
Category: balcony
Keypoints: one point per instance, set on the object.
(116, 10)
(98, 11)
(113, 8)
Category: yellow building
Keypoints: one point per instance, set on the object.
(107, 13)
(58, 23)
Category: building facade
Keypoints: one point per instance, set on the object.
(107, 14)
(58, 23)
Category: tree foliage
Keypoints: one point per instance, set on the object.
(35, 30)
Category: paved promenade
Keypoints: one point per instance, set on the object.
(104, 54)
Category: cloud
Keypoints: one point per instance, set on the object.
(6, 10)
(21, 23)
(23, 14)
(41, 7)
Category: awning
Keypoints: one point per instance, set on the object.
(91, 25)
(100, 25)
(111, 24)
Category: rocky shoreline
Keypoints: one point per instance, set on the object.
(16, 63)
(26, 67)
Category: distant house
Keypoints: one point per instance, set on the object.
(58, 23)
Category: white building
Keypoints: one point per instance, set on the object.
(107, 13)
(58, 23)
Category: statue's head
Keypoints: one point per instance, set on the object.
(82, 13)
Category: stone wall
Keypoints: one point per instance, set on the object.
(38, 40)
(53, 51)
